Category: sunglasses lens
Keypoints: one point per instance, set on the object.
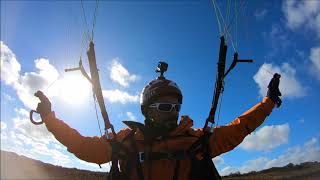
(165, 107)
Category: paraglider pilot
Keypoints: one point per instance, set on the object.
(157, 147)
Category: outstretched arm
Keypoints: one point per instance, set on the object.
(90, 149)
(226, 138)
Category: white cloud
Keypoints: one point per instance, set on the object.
(11, 143)
(119, 96)
(311, 143)
(248, 166)
(10, 67)
(266, 138)
(309, 152)
(4, 137)
(289, 86)
(88, 164)
(228, 170)
(46, 69)
(7, 97)
(58, 146)
(26, 84)
(278, 40)
(95, 167)
(131, 116)
(32, 141)
(278, 34)
(305, 14)
(260, 14)
(315, 61)
(22, 112)
(121, 75)
(23, 125)
(218, 161)
(254, 165)
(30, 82)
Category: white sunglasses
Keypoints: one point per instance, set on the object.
(166, 107)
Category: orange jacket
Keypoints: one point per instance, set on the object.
(225, 138)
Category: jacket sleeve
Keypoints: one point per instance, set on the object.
(91, 149)
(226, 138)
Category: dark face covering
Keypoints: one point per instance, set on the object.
(162, 128)
(161, 122)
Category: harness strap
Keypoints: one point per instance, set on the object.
(176, 170)
(138, 165)
(175, 155)
(128, 166)
(206, 164)
(114, 173)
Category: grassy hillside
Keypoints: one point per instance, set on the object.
(308, 170)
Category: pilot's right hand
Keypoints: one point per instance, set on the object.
(44, 107)
(273, 90)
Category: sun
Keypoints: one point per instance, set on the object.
(74, 89)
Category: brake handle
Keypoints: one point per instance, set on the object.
(33, 121)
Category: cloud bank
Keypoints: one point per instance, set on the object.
(34, 142)
(267, 138)
(309, 152)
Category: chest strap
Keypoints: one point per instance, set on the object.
(151, 156)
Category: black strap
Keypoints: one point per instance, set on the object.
(138, 165)
(176, 170)
(205, 167)
(119, 151)
(114, 173)
(201, 145)
(175, 155)
(129, 159)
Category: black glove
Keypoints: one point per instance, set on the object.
(44, 107)
(273, 89)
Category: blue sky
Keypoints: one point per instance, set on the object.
(40, 39)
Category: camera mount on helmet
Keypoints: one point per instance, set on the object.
(159, 87)
(161, 68)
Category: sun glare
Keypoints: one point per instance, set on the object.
(74, 89)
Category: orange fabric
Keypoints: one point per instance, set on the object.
(224, 139)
